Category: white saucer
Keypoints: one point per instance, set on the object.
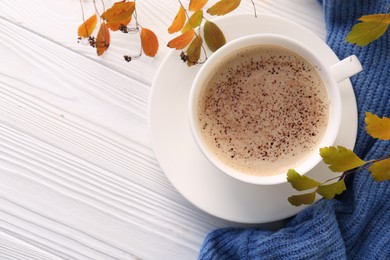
(189, 170)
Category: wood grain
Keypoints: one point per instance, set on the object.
(59, 20)
(79, 179)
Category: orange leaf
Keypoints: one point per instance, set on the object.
(102, 39)
(178, 22)
(182, 40)
(119, 12)
(223, 7)
(196, 5)
(87, 27)
(193, 51)
(149, 42)
(115, 26)
(194, 21)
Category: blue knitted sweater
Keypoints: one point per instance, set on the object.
(356, 225)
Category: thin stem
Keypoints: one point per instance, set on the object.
(129, 58)
(196, 34)
(135, 14)
(97, 11)
(104, 7)
(82, 10)
(357, 169)
(83, 15)
(254, 8)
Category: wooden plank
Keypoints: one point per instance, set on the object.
(78, 176)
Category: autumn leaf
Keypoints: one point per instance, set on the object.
(213, 36)
(298, 200)
(119, 13)
(115, 26)
(182, 40)
(193, 22)
(371, 28)
(380, 170)
(87, 27)
(193, 51)
(377, 127)
(196, 5)
(330, 190)
(178, 22)
(149, 42)
(340, 159)
(223, 7)
(102, 39)
(300, 182)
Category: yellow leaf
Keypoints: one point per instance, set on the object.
(375, 17)
(371, 28)
(330, 190)
(340, 159)
(193, 22)
(298, 200)
(119, 12)
(87, 27)
(196, 5)
(223, 7)
(194, 50)
(377, 127)
(178, 22)
(380, 170)
(149, 42)
(181, 41)
(300, 182)
(102, 39)
(213, 36)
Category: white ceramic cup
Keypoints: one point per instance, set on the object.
(330, 76)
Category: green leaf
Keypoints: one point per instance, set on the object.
(300, 182)
(213, 36)
(330, 190)
(340, 159)
(223, 7)
(298, 200)
(377, 127)
(380, 170)
(193, 51)
(371, 28)
(193, 22)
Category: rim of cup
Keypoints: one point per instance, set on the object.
(327, 77)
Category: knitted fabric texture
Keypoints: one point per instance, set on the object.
(356, 225)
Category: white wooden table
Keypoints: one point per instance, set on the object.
(78, 176)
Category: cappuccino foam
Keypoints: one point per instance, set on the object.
(264, 110)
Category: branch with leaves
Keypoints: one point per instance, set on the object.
(370, 28)
(117, 18)
(189, 26)
(341, 159)
(188, 22)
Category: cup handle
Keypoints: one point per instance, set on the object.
(346, 68)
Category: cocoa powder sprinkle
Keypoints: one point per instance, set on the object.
(266, 107)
